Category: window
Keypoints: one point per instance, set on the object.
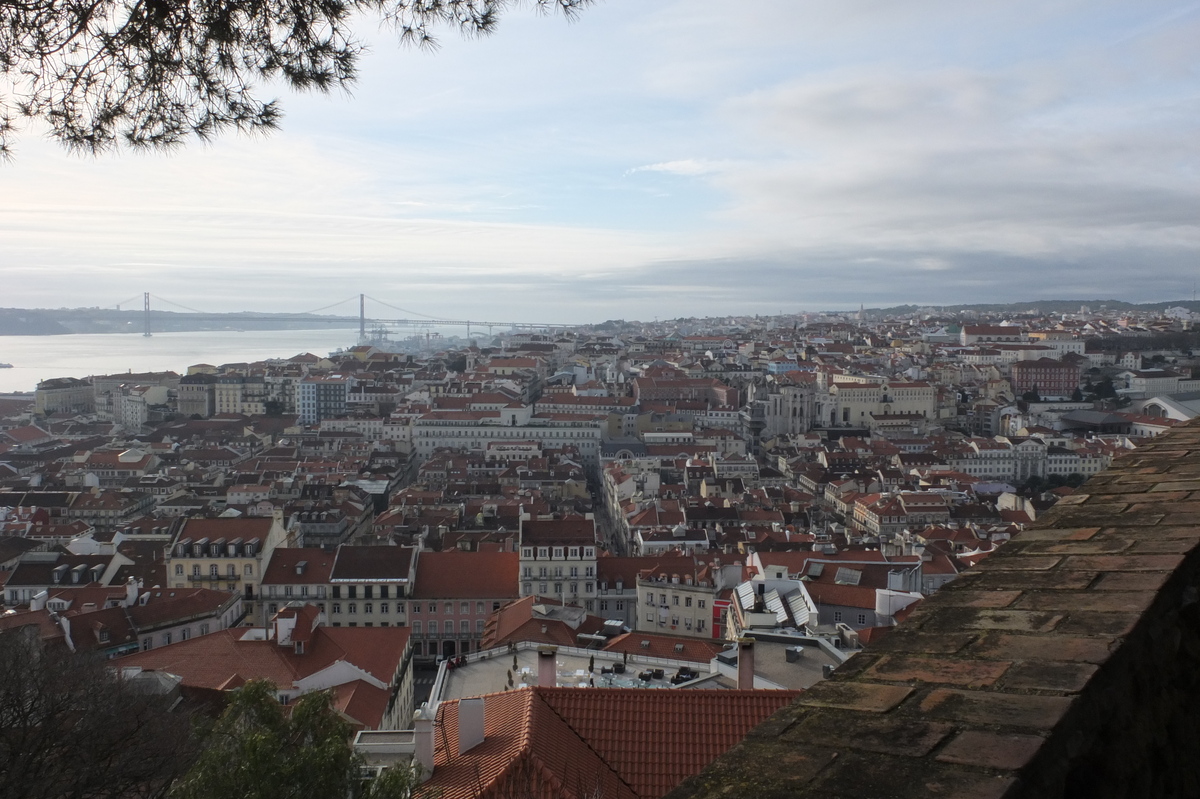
(558, 588)
(527, 572)
(526, 552)
(368, 592)
(273, 608)
(620, 604)
(543, 552)
(862, 618)
(383, 607)
(337, 592)
(700, 626)
(558, 553)
(214, 570)
(543, 572)
(574, 588)
(687, 601)
(248, 570)
(184, 634)
(496, 606)
(448, 610)
(527, 589)
(383, 592)
(351, 592)
(195, 570)
(837, 615)
(368, 607)
(589, 571)
(662, 599)
(304, 590)
(541, 588)
(166, 639)
(203, 629)
(589, 605)
(337, 607)
(479, 607)
(464, 607)
(147, 644)
(587, 588)
(650, 617)
(352, 607)
(232, 570)
(674, 599)
(479, 625)
(603, 604)
(464, 627)
(700, 604)
(416, 607)
(416, 628)
(574, 571)
(287, 590)
(650, 597)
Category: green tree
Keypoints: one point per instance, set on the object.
(257, 750)
(1077, 395)
(157, 72)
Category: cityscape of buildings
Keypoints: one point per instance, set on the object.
(525, 560)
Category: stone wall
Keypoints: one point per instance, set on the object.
(1067, 664)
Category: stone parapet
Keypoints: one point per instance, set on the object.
(1067, 664)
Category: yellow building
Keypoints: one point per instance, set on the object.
(228, 554)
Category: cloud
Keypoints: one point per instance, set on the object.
(689, 167)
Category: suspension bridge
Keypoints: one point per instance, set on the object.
(413, 319)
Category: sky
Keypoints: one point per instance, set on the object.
(665, 158)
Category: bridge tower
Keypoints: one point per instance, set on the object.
(362, 318)
(146, 316)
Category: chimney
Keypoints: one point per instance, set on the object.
(547, 666)
(470, 723)
(745, 678)
(131, 592)
(423, 735)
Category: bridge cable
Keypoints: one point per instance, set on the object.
(403, 310)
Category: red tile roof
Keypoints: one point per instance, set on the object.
(569, 742)
(467, 575)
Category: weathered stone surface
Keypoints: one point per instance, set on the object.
(993, 708)
(1135, 601)
(1046, 647)
(885, 734)
(866, 696)
(913, 668)
(991, 750)
(1042, 675)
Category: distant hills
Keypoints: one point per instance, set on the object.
(64, 321)
(1042, 307)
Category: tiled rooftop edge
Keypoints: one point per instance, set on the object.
(1066, 664)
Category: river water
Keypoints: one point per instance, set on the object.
(36, 358)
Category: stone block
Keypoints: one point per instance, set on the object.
(991, 750)
(972, 673)
(873, 776)
(885, 734)
(1134, 601)
(864, 696)
(1006, 646)
(1001, 580)
(1044, 675)
(993, 708)
(1123, 563)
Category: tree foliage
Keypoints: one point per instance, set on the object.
(258, 749)
(69, 727)
(152, 73)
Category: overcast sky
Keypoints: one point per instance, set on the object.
(662, 158)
